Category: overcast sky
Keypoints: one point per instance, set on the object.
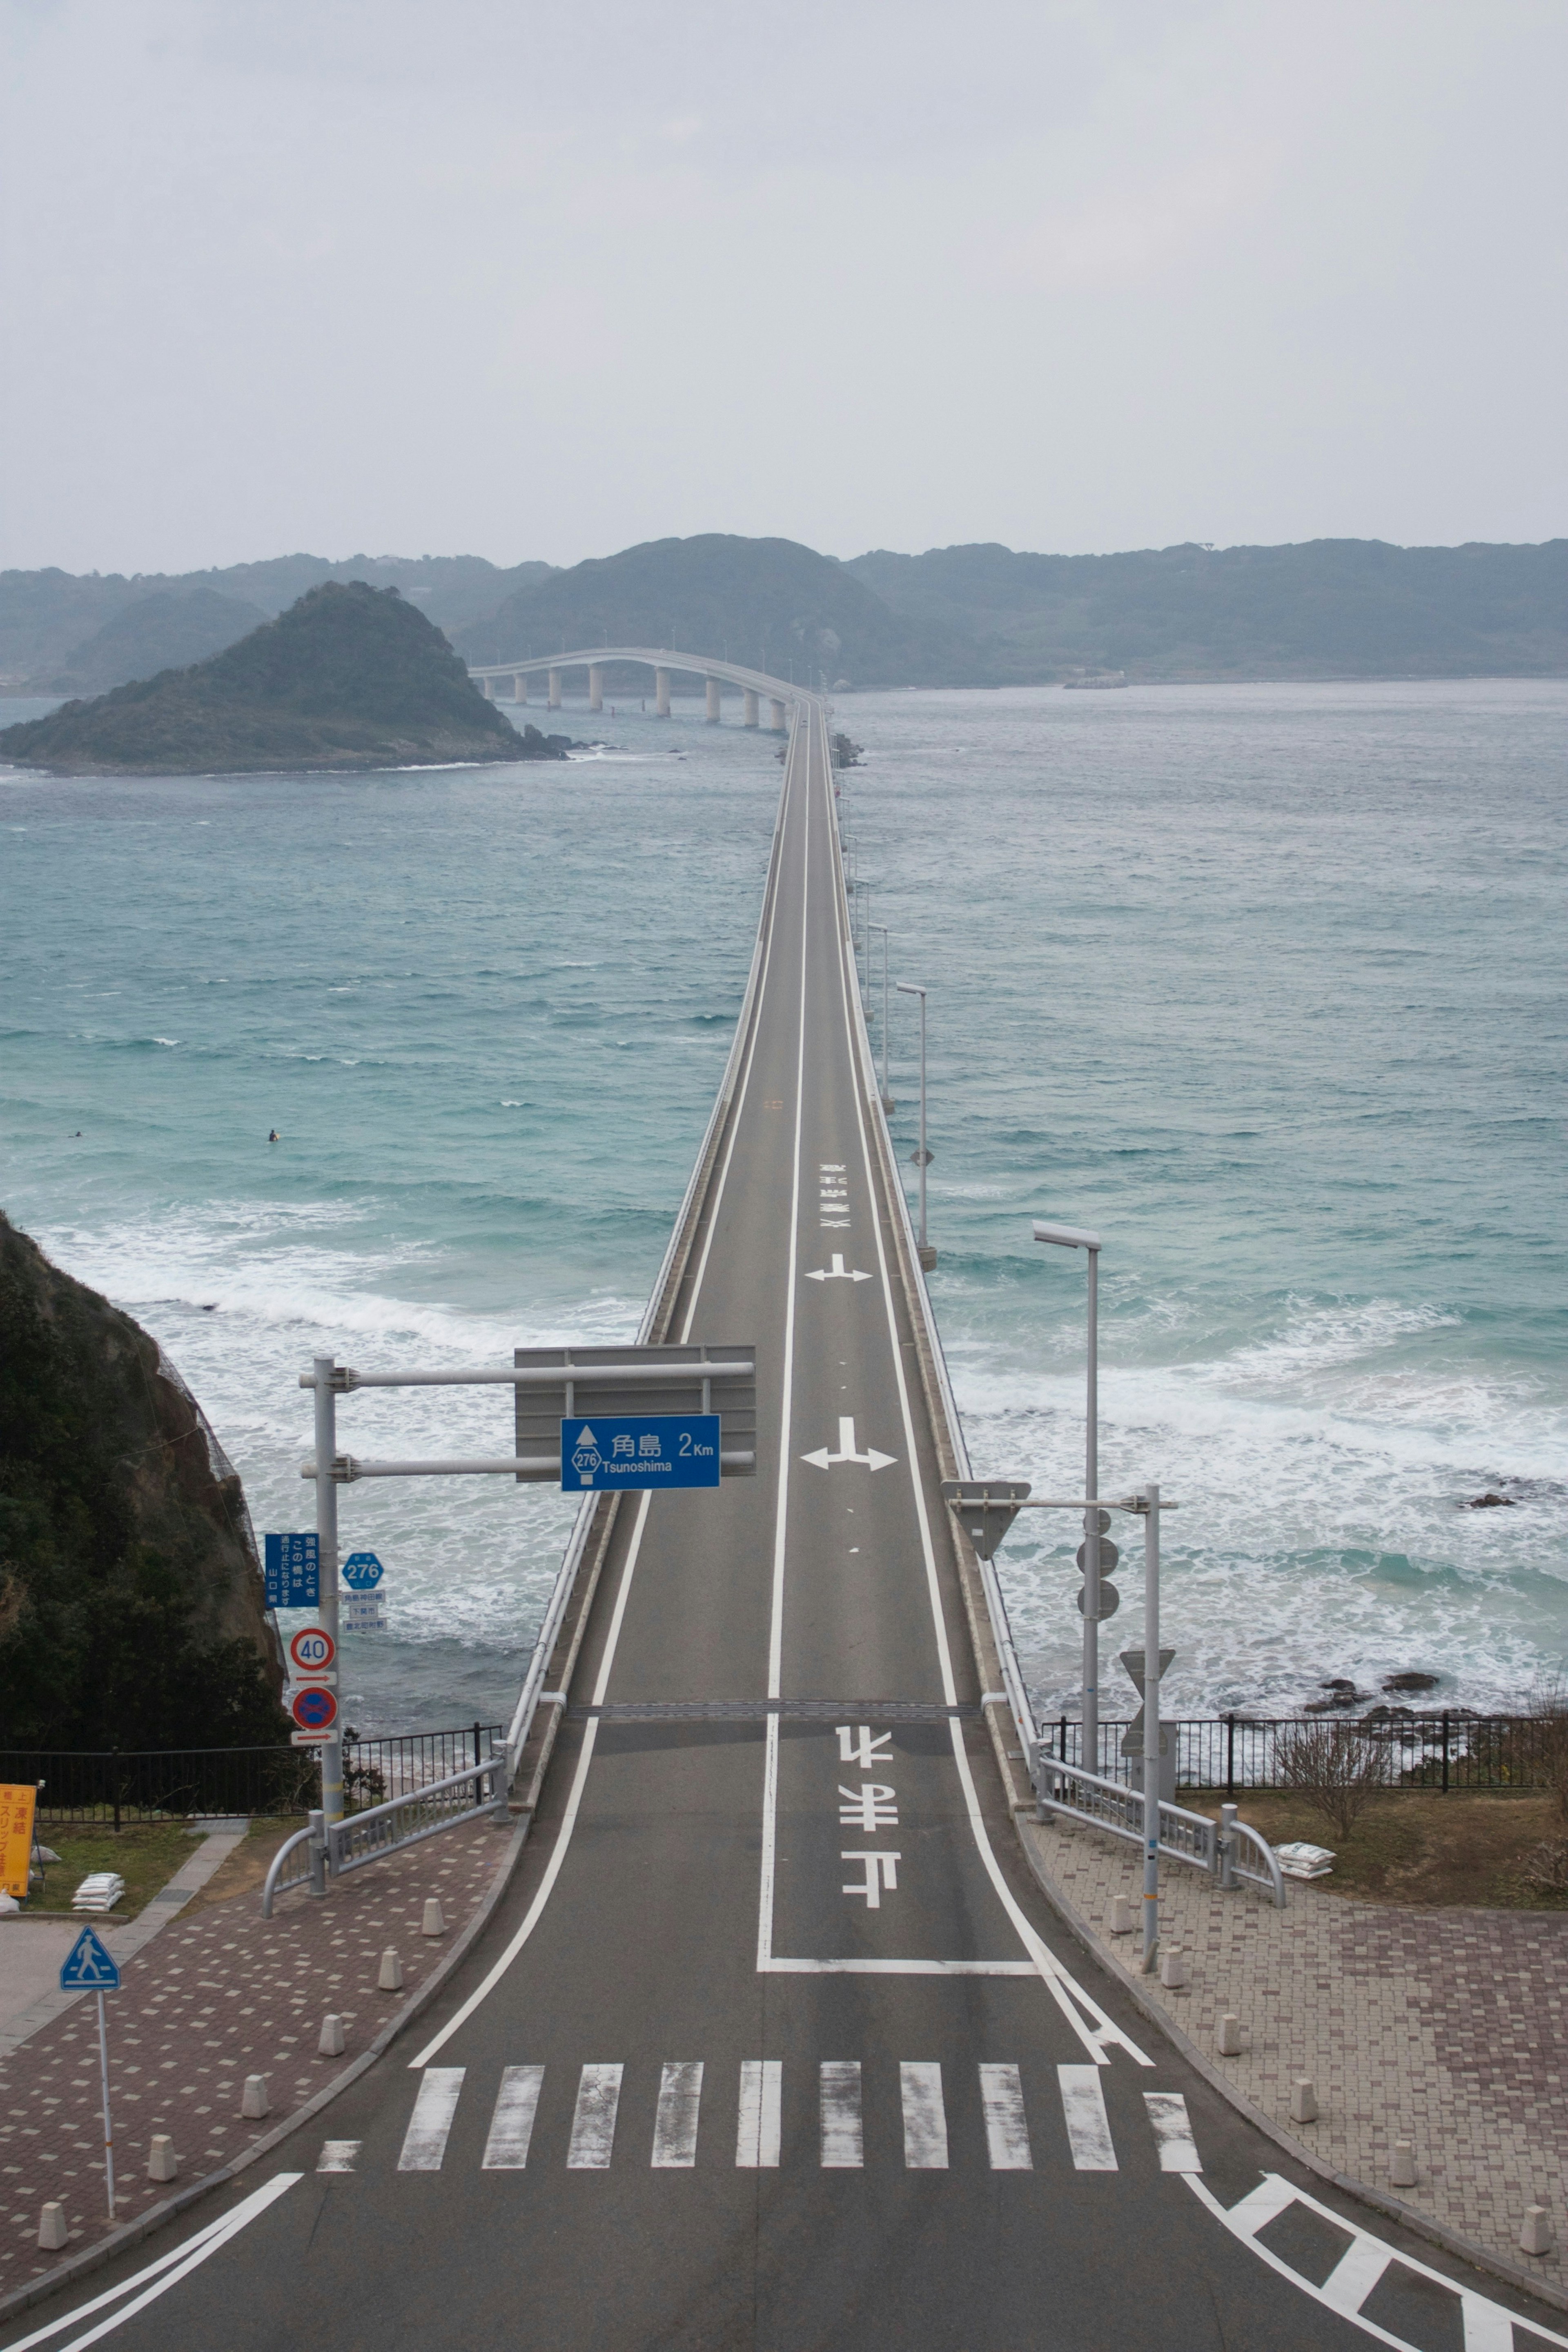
(518, 281)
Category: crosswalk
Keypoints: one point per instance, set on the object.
(1069, 2123)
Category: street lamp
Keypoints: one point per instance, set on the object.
(927, 1255)
(887, 1097)
(1078, 1237)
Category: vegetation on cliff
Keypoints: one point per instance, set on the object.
(133, 1610)
(350, 677)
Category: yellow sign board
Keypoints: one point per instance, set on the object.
(17, 1804)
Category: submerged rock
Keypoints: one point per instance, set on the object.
(1411, 1681)
(1489, 1502)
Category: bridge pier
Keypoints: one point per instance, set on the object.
(750, 708)
(555, 690)
(520, 687)
(778, 716)
(713, 711)
(595, 685)
(661, 693)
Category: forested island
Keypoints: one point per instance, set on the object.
(350, 677)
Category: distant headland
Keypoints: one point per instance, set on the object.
(350, 677)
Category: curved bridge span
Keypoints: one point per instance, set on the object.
(755, 685)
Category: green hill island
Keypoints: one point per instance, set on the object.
(350, 677)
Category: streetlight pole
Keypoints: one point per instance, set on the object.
(1150, 1727)
(926, 1256)
(1078, 1237)
(327, 1548)
(887, 1097)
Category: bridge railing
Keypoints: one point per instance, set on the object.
(1215, 1847)
(316, 1852)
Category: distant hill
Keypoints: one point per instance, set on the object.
(153, 633)
(768, 603)
(350, 677)
(1329, 608)
(46, 617)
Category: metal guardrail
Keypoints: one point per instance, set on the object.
(1193, 1838)
(316, 1852)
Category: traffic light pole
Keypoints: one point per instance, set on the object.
(327, 1544)
(1150, 1727)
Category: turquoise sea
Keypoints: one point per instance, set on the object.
(1266, 982)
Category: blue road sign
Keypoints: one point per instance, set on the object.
(294, 1572)
(612, 1450)
(90, 1964)
(361, 1571)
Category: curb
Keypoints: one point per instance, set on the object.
(1420, 2224)
(129, 2234)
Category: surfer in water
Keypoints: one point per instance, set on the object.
(274, 1137)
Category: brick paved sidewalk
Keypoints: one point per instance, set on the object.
(1446, 2028)
(219, 1995)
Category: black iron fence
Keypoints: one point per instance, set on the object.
(1441, 1751)
(115, 1785)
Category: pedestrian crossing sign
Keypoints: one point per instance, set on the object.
(89, 1965)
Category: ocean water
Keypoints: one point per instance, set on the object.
(1266, 982)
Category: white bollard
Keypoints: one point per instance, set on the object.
(1402, 2169)
(1303, 2100)
(52, 2231)
(330, 2045)
(256, 2103)
(163, 2164)
(1534, 2237)
(1174, 1968)
(434, 1924)
(391, 1977)
(1118, 1919)
(1229, 2043)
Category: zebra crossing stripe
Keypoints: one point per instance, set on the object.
(1173, 2132)
(675, 2120)
(1006, 2127)
(337, 2155)
(593, 2122)
(759, 2123)
(512, 2124)
(425, 2141)
(843, 2135)
(925, 2118)
(1089, 2125)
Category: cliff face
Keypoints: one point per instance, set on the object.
(133, 1610)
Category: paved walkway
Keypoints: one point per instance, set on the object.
(1446, 2028)
(220, 1994)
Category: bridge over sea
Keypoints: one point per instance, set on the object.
(773, 2040)
(755, 685)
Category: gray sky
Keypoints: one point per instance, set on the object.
(516, 280)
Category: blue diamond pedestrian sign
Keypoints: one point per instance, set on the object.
(89, 1965)
(361, 1571)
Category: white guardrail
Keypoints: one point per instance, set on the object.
(1213, 1847)
(477, 1793)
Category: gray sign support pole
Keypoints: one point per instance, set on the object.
(327, 1543)
(1150, 1727)
(108, 2127)
(1091, 1734)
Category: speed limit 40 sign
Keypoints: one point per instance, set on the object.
(312, 1654)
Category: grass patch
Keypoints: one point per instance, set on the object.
(145, 1854)
(1420, 1849)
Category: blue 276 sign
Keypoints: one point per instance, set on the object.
(294, 1572)
(609, 1452)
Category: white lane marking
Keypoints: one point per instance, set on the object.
(870, 1807)
(797, 1968)
(1006, 2126)
(425, 2141)
(1488, 2327)
(593, 2122)
(865, 1751)
(1173, 2131)
(675, 2119)
(1089, 2125)
(1076, 2005)
(759, 2122)
(881, 1871)
(838, 1271)
(512, 2124)
(787, 1409)
(585, 1755)
(839, 2093)
(337, 2155)
(1355, 2275)
(166, 2272)
(823, 1460)
(925, 2116)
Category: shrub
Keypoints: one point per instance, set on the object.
(1334, 1765)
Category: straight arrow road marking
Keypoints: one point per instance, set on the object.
(823, 1460)
(838, 1271)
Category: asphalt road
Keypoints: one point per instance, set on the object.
(773, 2042)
